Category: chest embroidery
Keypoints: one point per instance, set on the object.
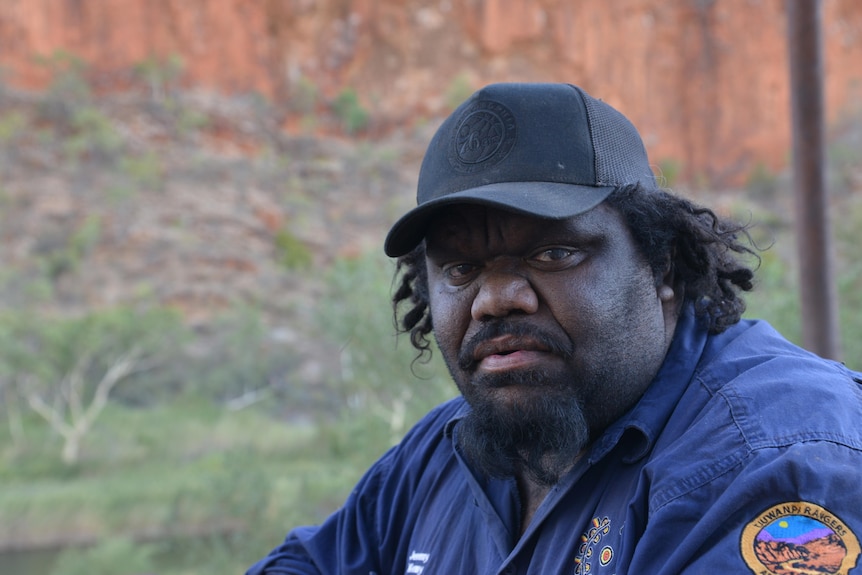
(591, 551)
(416, 563)
(798, 538)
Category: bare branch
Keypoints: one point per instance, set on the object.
(248, 398)
(73, 386)
(124, 366)
(52, 415)
(69, 416)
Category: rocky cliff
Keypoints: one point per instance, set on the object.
(706, 82)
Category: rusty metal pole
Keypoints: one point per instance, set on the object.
(818, 293)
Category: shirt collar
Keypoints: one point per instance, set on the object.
(449, 427)
(641, 426)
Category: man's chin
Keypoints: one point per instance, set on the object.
(526, 379)
(513, 427)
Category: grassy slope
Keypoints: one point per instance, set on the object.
(180, 469)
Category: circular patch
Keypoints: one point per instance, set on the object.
(798, 538)
(485, 134)
(606, 555)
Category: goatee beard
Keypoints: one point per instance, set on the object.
(542, 437)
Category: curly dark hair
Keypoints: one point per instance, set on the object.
(704, 251)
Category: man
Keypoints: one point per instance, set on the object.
(616, 415)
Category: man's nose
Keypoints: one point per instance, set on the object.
(503, 292)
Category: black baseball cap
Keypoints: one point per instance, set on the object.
(547, 150)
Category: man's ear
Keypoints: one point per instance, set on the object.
(670, 291)
(666, 293)
(667, 287)
(664, 280)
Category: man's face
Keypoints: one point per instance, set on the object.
(551, 329)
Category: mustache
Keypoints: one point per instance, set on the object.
(500, 327)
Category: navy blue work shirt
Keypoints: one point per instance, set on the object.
(743, 456)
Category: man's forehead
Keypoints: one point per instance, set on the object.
(460, 216)
(467, 219)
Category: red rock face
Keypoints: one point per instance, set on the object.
(822, 555)
(706, 82)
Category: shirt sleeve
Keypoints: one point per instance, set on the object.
(790, 509)
(289, 558)
(364, 536)
(348, 537)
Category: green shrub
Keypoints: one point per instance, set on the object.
(354, 118)
(290, 251)
(160, 74)
(66, 255)
(67, 369)
(848, 270)
(844, 151)
(378, 378)
(303, 97)
(68, 89)
(189, 120)
(459, 90)
(669, 171)
(762, 183)
(93, 136)
(775, 297)
(145, 170)
(243, 362)
(12, 125)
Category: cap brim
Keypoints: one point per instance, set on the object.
(549, 200)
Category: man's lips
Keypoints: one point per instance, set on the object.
(508, 352)
(504, 345)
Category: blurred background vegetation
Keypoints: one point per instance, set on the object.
(172, 433)
(248, 372)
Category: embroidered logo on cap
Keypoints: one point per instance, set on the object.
(484, 136)
(798, 538)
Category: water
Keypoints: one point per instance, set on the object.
(29, 562)
(172, 555)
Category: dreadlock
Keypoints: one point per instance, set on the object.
(703, 250)
(412, 277)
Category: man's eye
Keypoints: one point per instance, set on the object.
(553, 254)
(459, 271)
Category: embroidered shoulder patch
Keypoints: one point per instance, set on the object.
(798, 538)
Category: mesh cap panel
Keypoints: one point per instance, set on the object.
(615, 150)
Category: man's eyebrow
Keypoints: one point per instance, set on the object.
(561, 231)
(444, 251)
